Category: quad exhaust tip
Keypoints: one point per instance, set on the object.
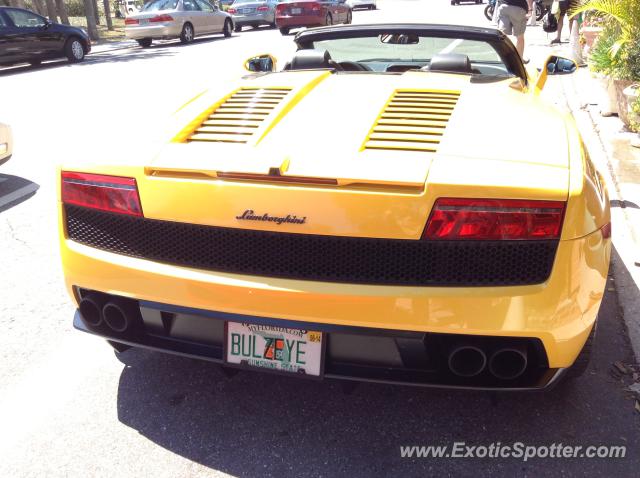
(508, 363)
(467, 360)
(91, 309)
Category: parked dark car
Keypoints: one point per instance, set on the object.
(311, 13)
(26, 37)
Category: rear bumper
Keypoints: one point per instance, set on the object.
(299, 21)
(161, 31)
(351, 353)
(253, 19)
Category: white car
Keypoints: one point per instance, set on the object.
(6, 143)
(184, 19)
(368, 4)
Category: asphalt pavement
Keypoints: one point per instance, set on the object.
(70, 406)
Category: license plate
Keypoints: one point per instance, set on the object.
(144, 22)
(296, 11)
(274, 348)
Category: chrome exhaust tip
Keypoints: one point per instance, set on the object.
(509, 362)
(91, 309)
(120, 315)
(467, 360)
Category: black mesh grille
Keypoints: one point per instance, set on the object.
(311, 257)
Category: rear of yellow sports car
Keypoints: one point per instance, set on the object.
(397, 228)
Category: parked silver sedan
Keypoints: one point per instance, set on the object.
(6, 143)
(253, 13)
(184, 19)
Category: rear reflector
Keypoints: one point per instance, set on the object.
(106, 193)
(494, 219)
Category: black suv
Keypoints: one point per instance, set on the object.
(26, 37)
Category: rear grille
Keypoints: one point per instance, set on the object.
(413, 121)
(240, 115)
(312, 257)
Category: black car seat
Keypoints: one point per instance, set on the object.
(311, 60)
(450, 62)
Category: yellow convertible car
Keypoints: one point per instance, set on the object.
(374, 210)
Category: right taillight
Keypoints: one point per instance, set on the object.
(494, 219)
(106, 193)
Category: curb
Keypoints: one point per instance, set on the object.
(124, 45)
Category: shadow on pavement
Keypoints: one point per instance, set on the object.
(257, 425)
(15, 190)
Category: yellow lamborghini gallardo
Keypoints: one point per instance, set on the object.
(374, 210)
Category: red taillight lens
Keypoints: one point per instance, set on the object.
(161, 18)
(106, 193)
(280, 7)
(494, 219)
(263, 8)
(231, 10)
(315, 7)
(131, 21)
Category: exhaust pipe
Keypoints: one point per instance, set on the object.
(467, 360)
(509, 362)
(91, 309)
(121, 315)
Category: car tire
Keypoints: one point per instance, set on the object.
(349, 18)
(228, 28)
(187, 34)
(488, 12)
(237, 28)
(74, 50)
(328, 20)
(284, 30)
(145, 42)
(581, 364)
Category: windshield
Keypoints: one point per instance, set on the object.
(158, 5)
(378, 52)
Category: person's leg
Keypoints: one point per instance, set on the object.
(564, 6)
(520, 45)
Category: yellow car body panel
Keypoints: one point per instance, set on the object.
(484, 153)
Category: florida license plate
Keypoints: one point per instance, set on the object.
(275, 348)
(296, 11)
(144, 21)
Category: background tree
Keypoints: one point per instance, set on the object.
(107, 14)
(62, 11)
(96, 11)
(51, 10)
(90, 13)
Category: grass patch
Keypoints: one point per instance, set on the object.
(117, 34)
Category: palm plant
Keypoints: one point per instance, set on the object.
(624, 13)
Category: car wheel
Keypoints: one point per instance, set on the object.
(237, 28)
(349, 18)
(284, 30)
(581, 364)
(328, 20)
(228, 28)
(488, 12)
(187, 33)
(74, 50)
(144, 42)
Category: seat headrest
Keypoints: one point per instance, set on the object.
(311, 60)
(452, 62)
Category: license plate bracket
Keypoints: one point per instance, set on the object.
(275, 349)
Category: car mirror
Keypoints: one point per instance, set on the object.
(399, 38)
(554, 65)
(558, 65)
(260, 63)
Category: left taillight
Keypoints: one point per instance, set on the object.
(107, 193)
(263, 8)
(161, 18)
(131, 21)
(494, 219)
